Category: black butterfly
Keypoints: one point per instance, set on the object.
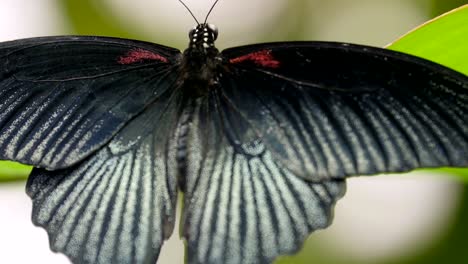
(260, 138)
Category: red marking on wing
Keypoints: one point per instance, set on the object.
(263, 58)
(139, 55)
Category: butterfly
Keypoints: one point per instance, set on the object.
(259, 138)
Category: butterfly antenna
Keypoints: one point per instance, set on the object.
(190, 11)
(209, 12)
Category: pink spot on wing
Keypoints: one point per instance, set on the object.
(263, 58)
(139, 55)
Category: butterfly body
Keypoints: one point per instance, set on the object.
(200, 61)
(260, 138)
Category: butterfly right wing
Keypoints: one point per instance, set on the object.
(118, 205)
(62, 98)
(287, 122)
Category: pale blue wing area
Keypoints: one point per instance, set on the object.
(118, 205)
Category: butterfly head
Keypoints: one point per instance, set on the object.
(203, 37)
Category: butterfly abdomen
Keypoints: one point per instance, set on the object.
(183, 130)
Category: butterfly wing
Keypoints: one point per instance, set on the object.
(330, 110)
(98, 115)
(272, 143)
(62, 98)
(118, 205)
(241, 206)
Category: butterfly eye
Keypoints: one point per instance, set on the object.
(213, 29)
(192, 32)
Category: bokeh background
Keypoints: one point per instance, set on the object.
(412, 218)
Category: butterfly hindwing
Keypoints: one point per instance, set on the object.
(329, 110)
(61, 98)
(241, 206)
(118, 205)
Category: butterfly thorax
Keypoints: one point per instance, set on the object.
(199, 63)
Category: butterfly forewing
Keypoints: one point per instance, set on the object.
(329, 110)
(61, 98)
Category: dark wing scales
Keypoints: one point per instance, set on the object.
(61, 98)
(118, 205)
(241, 206)
(330, 110)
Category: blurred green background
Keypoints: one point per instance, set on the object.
(243, 22)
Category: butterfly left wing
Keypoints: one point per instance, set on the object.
(330, 110)
(117, 206)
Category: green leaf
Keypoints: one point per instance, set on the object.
(443, 39)
(12, 171)
(457, 173)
